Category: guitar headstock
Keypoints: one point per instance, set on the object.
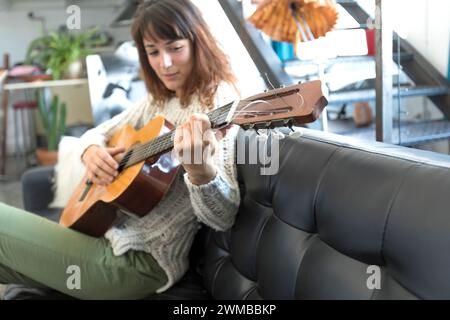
(287, 106)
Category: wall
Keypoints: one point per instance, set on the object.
(425, 24)
(428, 25)
(17, 30)
(250, 81)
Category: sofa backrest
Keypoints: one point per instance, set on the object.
(340, 220)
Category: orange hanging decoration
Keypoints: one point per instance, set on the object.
(295, 20)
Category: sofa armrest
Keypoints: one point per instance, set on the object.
(37, 188)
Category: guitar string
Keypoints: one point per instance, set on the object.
(144, 151)
(157, 142)
(162, 140)
(153, 149)
(139, 152)
(273, 87)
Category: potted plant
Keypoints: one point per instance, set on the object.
(62, 52)
(53, 119)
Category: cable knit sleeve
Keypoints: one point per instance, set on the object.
(216, 203)
(102, 133)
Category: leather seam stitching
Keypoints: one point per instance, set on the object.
(309, 243)
(319, 184)
(394, 198)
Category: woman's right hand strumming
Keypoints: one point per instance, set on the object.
(100, 163)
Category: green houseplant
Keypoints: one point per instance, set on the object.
(53, 118)
(59, 49)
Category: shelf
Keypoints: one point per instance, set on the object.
(342, 97)
(43, 84)
(411, 133)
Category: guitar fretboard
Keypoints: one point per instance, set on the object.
(164, 142)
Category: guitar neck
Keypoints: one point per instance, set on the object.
(164, 142)
(285, 106)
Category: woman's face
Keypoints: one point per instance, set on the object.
(172, 61)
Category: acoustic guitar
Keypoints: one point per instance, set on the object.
(148, 167)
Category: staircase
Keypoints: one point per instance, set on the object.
(425, 79)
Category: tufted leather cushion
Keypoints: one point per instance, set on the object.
(335, 208)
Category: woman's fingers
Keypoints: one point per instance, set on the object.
(102, 167)
(200, 126)
(113, 152)
(200, 123)
(182, 141)
(98, 174)
(194, 141)
(107, 163)
(220, 134)
(94, 179)
(109, 155)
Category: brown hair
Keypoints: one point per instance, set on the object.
(175, 20)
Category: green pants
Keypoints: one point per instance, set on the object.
(42, 254)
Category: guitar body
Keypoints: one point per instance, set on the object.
(135, 191)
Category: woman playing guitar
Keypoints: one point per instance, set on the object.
(186, 75)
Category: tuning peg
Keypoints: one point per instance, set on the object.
(269, 125)
(278, 134)
(294, 133)
(261, 135)
(287, 122)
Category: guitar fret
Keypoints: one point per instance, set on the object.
(165, 142)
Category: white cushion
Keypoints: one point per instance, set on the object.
(68, 171)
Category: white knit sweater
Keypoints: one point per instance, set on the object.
(168, 232)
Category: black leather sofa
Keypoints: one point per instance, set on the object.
(340, 220)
